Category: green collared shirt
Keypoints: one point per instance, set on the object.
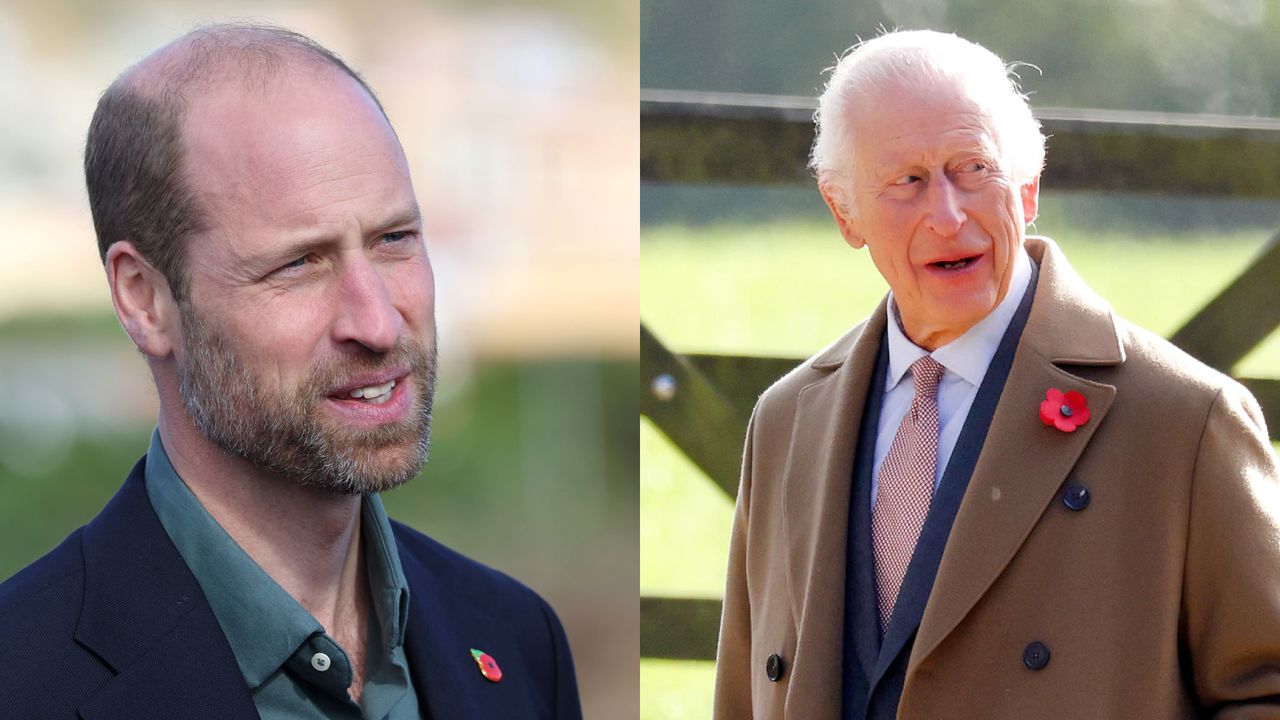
(292, 667)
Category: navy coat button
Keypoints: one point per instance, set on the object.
(1036, 655)
(773, 668)
(1075, 497)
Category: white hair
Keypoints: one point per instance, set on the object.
(922, 56)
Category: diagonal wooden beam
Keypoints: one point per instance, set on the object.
(703, 423)
(679, 628)
(1240, 317)
(742, 378)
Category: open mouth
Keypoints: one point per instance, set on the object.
(373, 394)
(956, 264)
(377, 390)
(374, 398)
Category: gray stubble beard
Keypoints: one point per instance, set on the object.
(284, 434)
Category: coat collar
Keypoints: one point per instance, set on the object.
(146, 618)
(1069, 325)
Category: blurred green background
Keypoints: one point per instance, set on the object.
(1198, 56)
(762, 270)
(519, 122)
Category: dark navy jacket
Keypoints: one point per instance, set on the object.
(112, 625)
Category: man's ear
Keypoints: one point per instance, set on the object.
(840, 211)
(143, 301)
(1030, 200)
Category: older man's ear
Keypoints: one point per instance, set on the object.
(840, 211)
(1030, 192)
(144, 304)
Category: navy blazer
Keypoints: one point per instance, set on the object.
(112, 624)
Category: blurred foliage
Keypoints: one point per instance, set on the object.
(1156, 55)
(101, 327)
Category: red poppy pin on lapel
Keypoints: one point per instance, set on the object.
(1065, 411)
(488, 666)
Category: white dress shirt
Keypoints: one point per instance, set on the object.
(966, 360)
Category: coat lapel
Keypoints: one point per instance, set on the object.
(1069, 325)
(817, 483)
(145, 616)
(437, 656)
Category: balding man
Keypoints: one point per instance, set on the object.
(264, 251)
(993, 498)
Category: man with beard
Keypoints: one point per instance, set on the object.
(264, 251)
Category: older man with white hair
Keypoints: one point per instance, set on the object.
(993, 498)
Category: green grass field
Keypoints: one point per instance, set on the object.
(788, 288)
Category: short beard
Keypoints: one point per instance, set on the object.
(284, 434)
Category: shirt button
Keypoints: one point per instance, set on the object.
(1036, 655)
(320, 661)
(1075, 497)
(773, 668)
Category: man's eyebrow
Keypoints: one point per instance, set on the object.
(408, 216)
(307, 244)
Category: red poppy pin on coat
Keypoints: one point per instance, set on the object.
(1065, 411)
(488, 666)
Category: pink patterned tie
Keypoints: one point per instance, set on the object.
(905, 487)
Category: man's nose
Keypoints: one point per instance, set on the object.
(945, 216)
(366, 312)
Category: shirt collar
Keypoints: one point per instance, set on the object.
(387, 585)
(969, 355)
(264, 624)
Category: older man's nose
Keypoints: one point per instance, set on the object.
(945, 216)
(367, 313)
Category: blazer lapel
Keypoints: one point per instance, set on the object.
(145, 616)
(1069, 325)
(437, 657)
(444, 625)
(816, 492)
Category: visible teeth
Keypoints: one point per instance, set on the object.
(954, 264)
(374, 391)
